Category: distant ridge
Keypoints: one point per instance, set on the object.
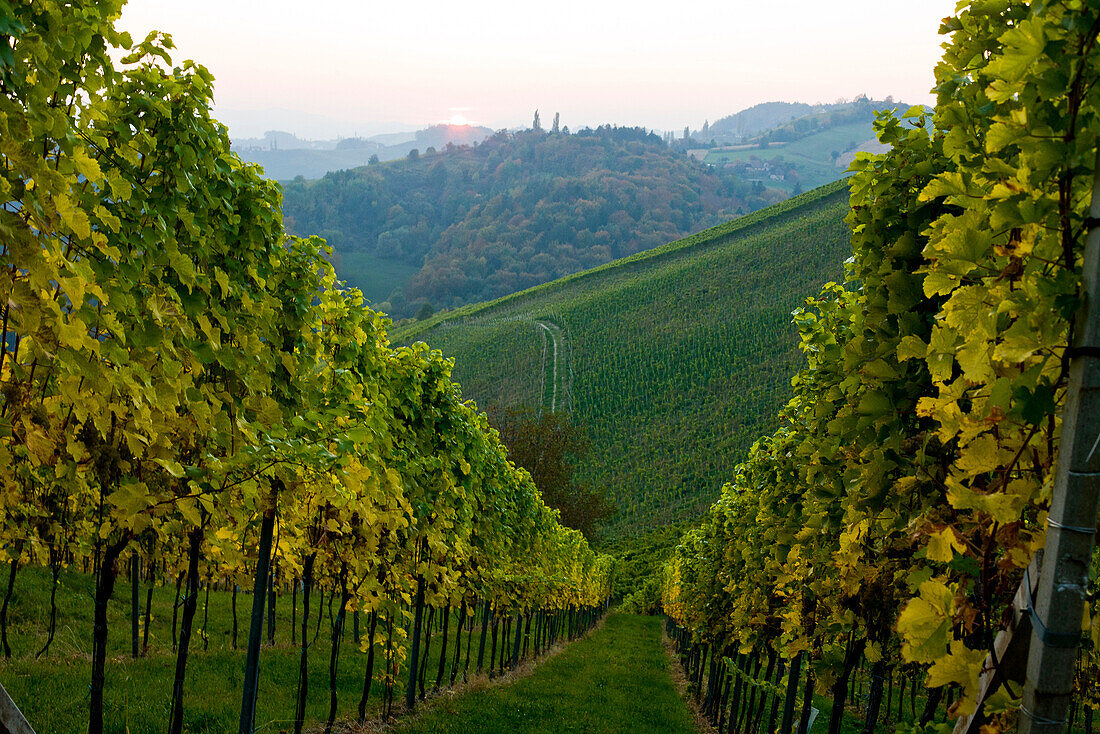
(473, 223)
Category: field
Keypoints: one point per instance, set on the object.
(373, 275)
(678, 357)
(811, 156)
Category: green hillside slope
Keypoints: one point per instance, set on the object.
(814, 160)
(672, 360)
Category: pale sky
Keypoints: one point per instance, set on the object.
(330, 67)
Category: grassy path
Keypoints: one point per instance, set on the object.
(552, 388)
(556, 392)
(616, 680)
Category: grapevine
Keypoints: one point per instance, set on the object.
(890, 517)
(185, 386)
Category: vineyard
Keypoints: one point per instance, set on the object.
(925, 510)
(680, 355)
(228, 501)
(191, 403)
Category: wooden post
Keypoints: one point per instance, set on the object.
(135, 608)
(1071, 525)
(1009, 654)
(414, 653)
(792, 695)
(256, 624)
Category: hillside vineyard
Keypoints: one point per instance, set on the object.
(680, 356)
(857, 429)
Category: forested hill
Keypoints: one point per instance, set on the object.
(673, 361)
(466, 224)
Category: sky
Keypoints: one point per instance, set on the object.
(328, 68)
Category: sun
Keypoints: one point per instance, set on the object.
(458, 119)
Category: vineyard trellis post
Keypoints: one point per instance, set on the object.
(255, 629)
(1071, 525)
(414, 650)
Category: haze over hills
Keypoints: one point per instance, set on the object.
(284, 156)
(471, 223)
(673, 360)
(291, 145)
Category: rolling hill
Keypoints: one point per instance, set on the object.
(808, 162)
(518, 209)
(790, 146)
(673, 360)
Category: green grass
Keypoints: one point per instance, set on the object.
(811, 155)
(374, 276)
(681, 356)
(53, 691)
(616, 680)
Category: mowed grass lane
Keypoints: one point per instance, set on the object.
(616, 680)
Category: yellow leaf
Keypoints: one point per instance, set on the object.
(1001, 135)
(189, 508)
(223, 280)
(74, 218)
(942, 546)
(911, 347)
(38, 443)
(975, 358)
(171, 466)
(925, 622)
(85, 165)
(70, 333)
(289, 363)
(962, 666)
(74, 289)
(1004, 507)
(130, 498)
(946, 184)
(979, 456)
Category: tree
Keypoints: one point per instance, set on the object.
(424, 312)
(549, 446)
(687, 132)
(536, 124)
(555, 128)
